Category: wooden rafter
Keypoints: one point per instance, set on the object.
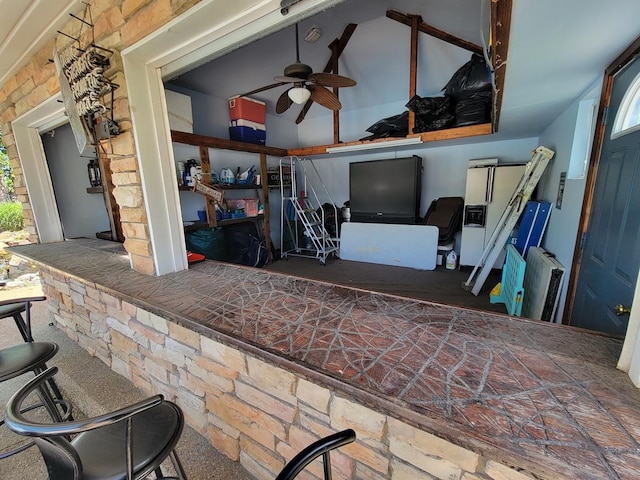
(337, 47)
(435, 32)
(416, 20)
(500, 29)
(417, 25)
(113, 210)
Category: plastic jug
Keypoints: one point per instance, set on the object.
(227, 176)
(452, 260)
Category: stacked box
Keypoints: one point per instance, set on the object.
(247, 117)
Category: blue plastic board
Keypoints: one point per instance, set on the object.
(532, 226)
(512, 284)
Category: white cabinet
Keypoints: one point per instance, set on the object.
(179, 111)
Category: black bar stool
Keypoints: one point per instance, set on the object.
(27, 357)
(14, 308)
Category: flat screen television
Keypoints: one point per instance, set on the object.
(386, 191)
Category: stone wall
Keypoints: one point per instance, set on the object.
(253, 411)
(117, 25)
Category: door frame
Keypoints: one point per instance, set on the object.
(632, 336)
(35, 170)
(170, 50)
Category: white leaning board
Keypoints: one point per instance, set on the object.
(412, 246)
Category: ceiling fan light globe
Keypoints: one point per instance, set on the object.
(299, 95)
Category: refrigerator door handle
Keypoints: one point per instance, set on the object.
(489, 190)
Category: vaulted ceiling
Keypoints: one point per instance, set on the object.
(556, 50)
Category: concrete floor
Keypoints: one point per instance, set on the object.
(94, 388)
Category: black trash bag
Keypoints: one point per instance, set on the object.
(395, 126)
(209, 242)
(474, 109)
(245, 246)
(471, 78)
(431, 113)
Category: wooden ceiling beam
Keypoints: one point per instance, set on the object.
(416, 20)
(435, 32)
(500, 30)
(337, 47)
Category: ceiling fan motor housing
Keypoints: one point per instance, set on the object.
(298, 70)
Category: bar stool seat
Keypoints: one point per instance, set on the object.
(25, 357)
(11, 309)
(14, 308)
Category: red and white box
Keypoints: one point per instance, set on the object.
(245, 108)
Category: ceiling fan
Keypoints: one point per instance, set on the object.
(307, 85)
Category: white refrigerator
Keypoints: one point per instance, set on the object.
(488, 191)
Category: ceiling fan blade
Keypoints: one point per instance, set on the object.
(325, 97)
(301, 115)
(331, 80)
(262, 89)
(284, 102)
(284, 79)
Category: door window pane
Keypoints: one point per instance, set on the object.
(628, 116)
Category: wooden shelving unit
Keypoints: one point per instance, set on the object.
(204, 143)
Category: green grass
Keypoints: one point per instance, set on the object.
(11, 219)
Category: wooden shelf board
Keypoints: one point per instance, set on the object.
(213, 142)
(434, 136)
(447, 134)
(231, 221)
(224, 187)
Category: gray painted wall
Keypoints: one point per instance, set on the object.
(562, 229)
(81, 214)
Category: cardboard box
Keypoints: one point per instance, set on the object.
(245, 108)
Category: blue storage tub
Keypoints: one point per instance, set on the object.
(249, 132)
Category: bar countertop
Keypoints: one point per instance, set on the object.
(542, 396)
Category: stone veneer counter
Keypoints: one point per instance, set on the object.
(544, 397)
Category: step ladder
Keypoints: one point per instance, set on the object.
(534, 170)
(303, 220)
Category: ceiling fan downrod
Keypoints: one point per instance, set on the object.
(298, 69)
